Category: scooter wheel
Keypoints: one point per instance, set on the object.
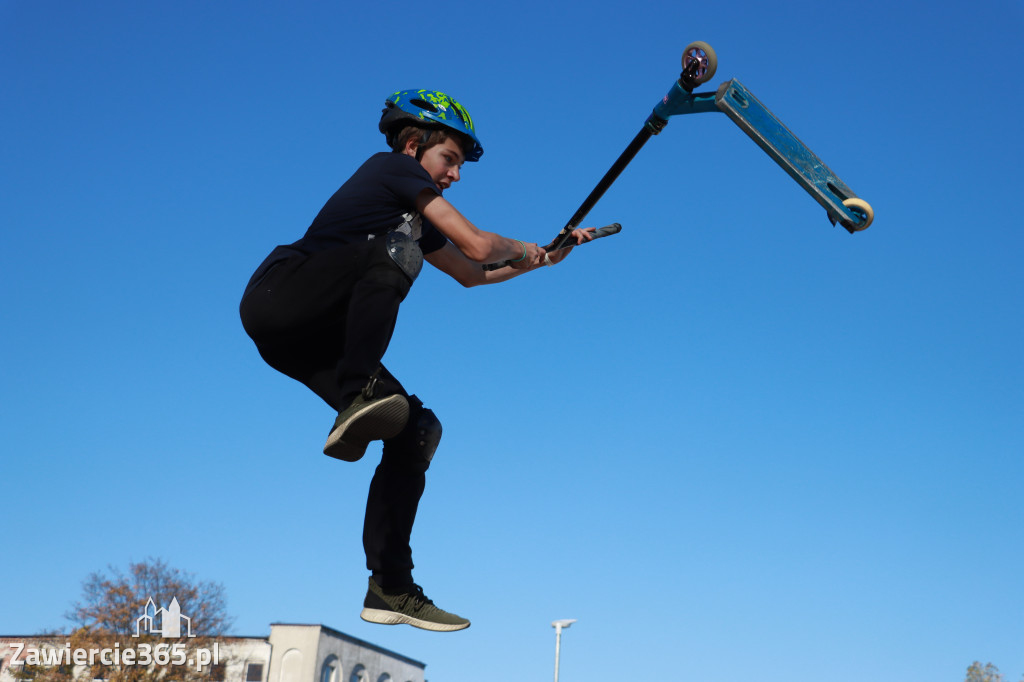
(862, 207)
(705, 56)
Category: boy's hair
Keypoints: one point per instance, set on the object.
(430, 137)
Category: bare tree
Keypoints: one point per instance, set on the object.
(977, 672)
(115, 622)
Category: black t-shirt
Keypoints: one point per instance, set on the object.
(373, 201)
(376, 199)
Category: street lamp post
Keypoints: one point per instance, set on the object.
(558, 625)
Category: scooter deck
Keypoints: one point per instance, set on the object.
(789, 152)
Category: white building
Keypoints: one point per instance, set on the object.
(292, 653)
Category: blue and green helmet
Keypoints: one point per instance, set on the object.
(431, 109)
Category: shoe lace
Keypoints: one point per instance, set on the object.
(378, 380)
(371, 387)
(416, 597)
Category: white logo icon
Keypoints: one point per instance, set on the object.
(163, 622)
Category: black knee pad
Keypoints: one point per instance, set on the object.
(416, 444)
(428, 436)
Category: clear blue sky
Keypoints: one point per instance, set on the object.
(734, 442)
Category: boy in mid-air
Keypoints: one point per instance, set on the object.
(322, 311)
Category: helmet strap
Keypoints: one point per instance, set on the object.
(424, 138)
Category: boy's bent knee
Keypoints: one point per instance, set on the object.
(414, 447)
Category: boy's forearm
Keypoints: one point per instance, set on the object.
(478, 245)
(501, 274)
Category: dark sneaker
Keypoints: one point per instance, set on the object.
(410, 606)
(363, 421)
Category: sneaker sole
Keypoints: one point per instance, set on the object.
(394, 618)
(378, 420)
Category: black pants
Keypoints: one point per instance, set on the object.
(326, 320)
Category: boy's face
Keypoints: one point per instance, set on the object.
(442, 161)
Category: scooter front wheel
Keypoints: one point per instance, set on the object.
(705, 56)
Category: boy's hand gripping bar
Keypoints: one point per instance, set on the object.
(605, 231)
